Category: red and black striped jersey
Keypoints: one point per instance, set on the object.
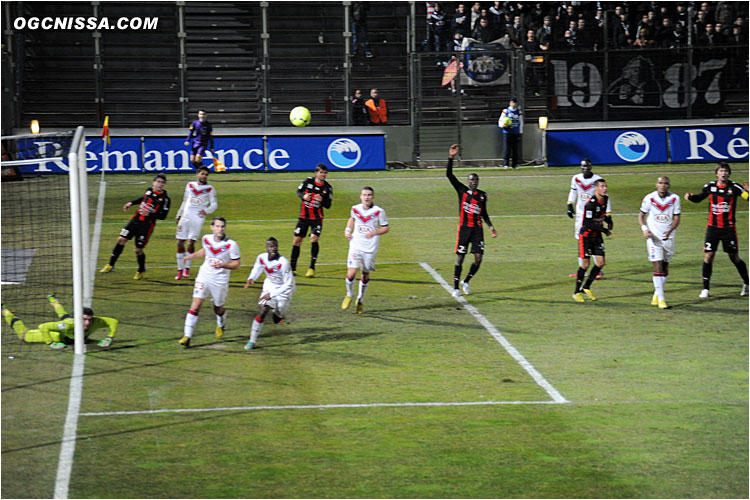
(722, 202)
(156, 203)
(313, 210)
(594, 212)
(472, 205)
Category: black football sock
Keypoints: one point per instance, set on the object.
(295, 256)
(314, 249)
(115, 254)
(742, 268)
(141, 262)
(456, 275)
(592, 276)
(579, 279)
(708, 268)
(472, 271)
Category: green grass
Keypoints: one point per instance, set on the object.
(658, 399)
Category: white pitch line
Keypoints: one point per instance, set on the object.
(97, 228)
(520, 359)
(313, 407)
(67, 449)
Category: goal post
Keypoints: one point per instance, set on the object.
(45, 228)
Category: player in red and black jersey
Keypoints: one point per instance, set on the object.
(590, 241)
(722, 197)
(153, 206)
(316, 194)
(472, 209)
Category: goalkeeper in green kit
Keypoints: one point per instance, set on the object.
(61, 332)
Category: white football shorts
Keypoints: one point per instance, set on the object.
(205, 288)
(362, 260)
(278, 304)
(659, 249)
(189, 228)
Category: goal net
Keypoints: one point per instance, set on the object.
(44, 220)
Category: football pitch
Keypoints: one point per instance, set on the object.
(513, 391)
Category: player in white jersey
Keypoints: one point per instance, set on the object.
(366, 223)
(199, 201)
(658, 218)
(581, 191)
(221, 256)
(278, 287)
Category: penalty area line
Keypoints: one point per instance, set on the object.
(312, 407)
(515, 354)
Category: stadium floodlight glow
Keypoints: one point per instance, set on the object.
(34, 127)
(543, 122)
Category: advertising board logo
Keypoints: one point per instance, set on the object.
(631, 146)
(344, 153)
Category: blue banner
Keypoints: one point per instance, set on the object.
(336, 152)
(238, 154)
(606, 146)
(710, 144)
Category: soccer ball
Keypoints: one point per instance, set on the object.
(507, 122)
(300, 116)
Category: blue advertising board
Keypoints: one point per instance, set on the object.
(336, 152)
(159, 154)
(713, 144)
(607, 146)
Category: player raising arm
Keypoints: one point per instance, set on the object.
(363, 229)
(472, 209)
(199, 200)
(278, 287)
(200, 137)
(722, 197)
(658, 218)
(221, 256)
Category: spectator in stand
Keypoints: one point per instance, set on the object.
(725, 13)
(545, 34)
(665, 34)
(376, 108)
(622, 35)
(705, 7)
(567, 43)
(679, 36)
(497, 18)
(359, 28)
(439, 32)
(644, 39)
(360, 116)
(707, 38)
(573, 27)
(722, 37)
(515, 32)
(564, 17)
(534, 67)
(536, 16)
(585, 38)
(476, 13)
(482, 31)
(742, 23)
(461, 21)
(682, 15)
(646, 24)
(664, 13)
(699, 23)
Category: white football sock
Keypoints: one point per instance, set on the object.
(180, 255)
(658, 287)
(221, 320)
(362, 289)
(349, 287)
(187, 263)
(190, 321)
(255, 330)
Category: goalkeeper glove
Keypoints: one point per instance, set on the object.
(571, 211)
(106, 342)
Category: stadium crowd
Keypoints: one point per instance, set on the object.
(585, 26)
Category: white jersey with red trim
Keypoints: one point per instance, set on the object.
(366, 221)
(198, 197)
(224, 251)
(581, 190)
(660, 212)
(279, 277)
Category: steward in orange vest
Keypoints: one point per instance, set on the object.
(377, 109)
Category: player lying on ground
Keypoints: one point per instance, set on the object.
(278, 287)
(60, 333)
(221, 256)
